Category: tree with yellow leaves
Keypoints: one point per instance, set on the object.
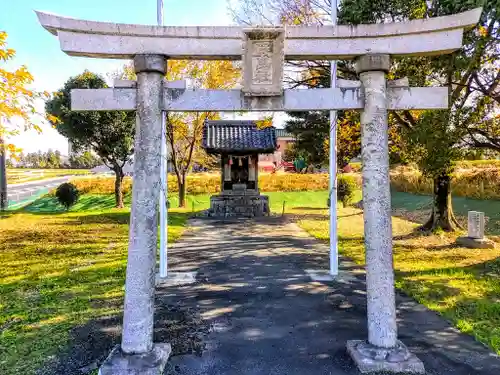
(17, 106)
(17, 102)
(184, 130)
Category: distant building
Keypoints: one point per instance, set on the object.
(284, 140)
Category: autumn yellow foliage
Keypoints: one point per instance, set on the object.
(17, 101)
(210, 183)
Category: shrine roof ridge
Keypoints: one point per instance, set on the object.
(231, 123)
(56, 23)
(237, 136)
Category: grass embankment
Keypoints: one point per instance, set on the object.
(478, 179)
(20, 175)
(60, 270)
(479, 183)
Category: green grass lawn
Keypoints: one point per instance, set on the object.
(60, 270)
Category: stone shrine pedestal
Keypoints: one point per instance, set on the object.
(239, 202)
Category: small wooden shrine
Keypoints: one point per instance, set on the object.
(239, 144)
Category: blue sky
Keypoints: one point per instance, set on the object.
(39, 50)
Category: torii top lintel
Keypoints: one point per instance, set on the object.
(432, 36)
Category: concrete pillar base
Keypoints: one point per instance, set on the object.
(324, 275)
(369, 358)
(152, 363)
(176, 278)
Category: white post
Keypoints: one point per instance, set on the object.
(4, 201)
(163, 178)
(334, 261)
(159, 12)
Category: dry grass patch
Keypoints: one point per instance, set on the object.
(478, 183)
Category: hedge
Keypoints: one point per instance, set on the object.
(210, 183)
(476, 183)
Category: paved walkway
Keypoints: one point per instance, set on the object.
(24, 193)
(265, 317)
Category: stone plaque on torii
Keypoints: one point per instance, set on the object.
(263, 60)
(262, 51)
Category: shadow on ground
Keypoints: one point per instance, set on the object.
(254, 311)
(88, 202)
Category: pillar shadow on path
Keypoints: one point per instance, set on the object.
(266, 317)
(254, 311)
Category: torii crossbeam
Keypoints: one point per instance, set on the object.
(188, 100)
(263, 54)
(432, 36)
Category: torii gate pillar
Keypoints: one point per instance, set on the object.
(137, 354)
(383, 351)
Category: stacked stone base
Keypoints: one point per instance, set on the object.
(243, 205)
(152, 363)
(371, 359)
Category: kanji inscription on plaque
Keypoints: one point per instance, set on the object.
(263, 58)
(262, 72)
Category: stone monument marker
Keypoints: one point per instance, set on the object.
(475, 232)
(475, 224)
(370, 45)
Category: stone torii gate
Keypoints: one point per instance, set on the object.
(263, 54)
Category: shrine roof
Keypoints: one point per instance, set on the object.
(237, 137)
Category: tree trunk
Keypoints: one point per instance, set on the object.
(182, 191)
(442, 216)
(118, 187)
